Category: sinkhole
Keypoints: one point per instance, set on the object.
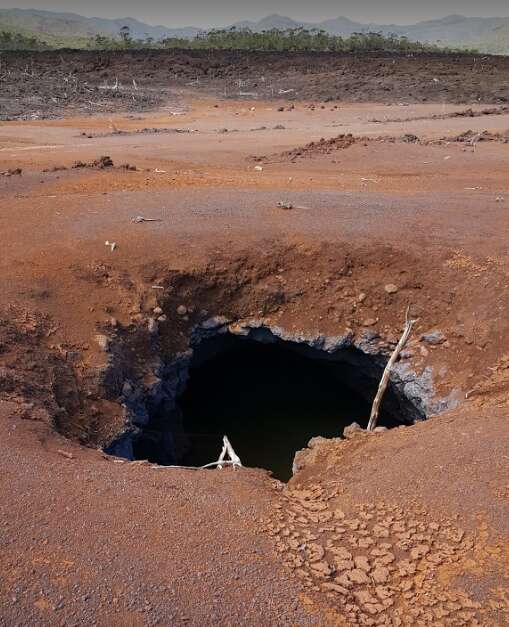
(269, 398)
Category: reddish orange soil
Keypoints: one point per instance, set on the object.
(402, 527)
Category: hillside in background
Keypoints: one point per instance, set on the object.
(52, 26)
(485, 34)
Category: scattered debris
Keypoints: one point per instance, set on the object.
(56, 168)
(12, 172)
(409, 138)
(112, 245)
(140, 219)
(285, 205)
(473, 137)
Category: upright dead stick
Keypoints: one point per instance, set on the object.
(373, 419)
(228, 450)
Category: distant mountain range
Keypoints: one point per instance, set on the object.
(73, 25)
(486, 34)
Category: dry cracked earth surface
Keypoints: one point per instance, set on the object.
(131, 222)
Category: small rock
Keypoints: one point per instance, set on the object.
(362, 297)
(153, 327)
(369, 322)
(103, 341)
(362, 563)
(335, 588)
(285, 205)
(390, 288)
(352, 431)
(182, 310)
(383, 592)
(321, 568)
(162, 318)
(380, 574)
(357, 576)
(434, 338)
(158, 311)
(419, 551)
(65, 454)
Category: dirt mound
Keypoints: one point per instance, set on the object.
(332, 145)
(102, 163)
(470, 113)
(321, 147)
(484, 136)
(465, 113)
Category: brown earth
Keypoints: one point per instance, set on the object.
(407, 526)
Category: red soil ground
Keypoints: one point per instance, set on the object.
(402, 527)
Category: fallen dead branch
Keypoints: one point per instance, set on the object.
(227, 450)
(384, 382)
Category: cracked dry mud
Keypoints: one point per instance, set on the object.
(380, 564)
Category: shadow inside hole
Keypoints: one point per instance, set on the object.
(270, 401)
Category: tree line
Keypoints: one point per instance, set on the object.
(289, 40)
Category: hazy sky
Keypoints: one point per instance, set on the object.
(222, 12)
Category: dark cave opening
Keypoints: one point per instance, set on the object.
(270, 399)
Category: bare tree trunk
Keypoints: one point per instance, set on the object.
(373, 419)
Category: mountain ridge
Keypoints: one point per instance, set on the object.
(488, 34)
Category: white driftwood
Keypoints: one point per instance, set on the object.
(222, 461)
(384, 382)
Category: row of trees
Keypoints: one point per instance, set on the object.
(291, 40)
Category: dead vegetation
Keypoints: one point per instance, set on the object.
(50, 84)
